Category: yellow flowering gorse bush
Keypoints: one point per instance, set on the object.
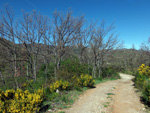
(84, 80)
(62, 85)
(87, 80)
(144, 70)
(19, 101)
(143, 79)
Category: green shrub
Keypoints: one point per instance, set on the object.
(68, 68)
(109, 72)
(63, 74)
(52, 96)
(32, 85)
(50, 71)
(142, 82)
(139, 80)
(146, 91)
(74, 67)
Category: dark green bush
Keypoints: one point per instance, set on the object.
(68, 68)
(110, 72)
(52, 96)
(139, 81)
(142, 82)
(46, 70)
(71, 67)
(74, 66)
(32, 85)
(146, 91)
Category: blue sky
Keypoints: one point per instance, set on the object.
(132, 17)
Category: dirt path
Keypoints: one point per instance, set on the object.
(116, 96)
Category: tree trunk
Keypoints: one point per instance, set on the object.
(46, 69)
(15, 69)
(58, 64)
(94, 71)
(34, 69)
(99, 68)
(27, 70)
(99, 72)
(1, 75)
(13, 75)
(46, 72)
(88, 67)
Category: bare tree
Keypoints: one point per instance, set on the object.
(36, 40)
(145, 49)
(103, 40)
(33, 28)
(7, 30)
(63, 37)
(83, 41)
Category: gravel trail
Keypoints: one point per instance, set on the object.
(117, 96)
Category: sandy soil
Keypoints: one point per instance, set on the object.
(116, 96)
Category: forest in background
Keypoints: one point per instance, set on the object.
(36, 43)
(36, 40)
(43, 50)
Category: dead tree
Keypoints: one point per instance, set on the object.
(32, 33)
(65, 25)
(8, 32)
(103, 40)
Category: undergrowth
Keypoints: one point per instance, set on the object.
(142, 82)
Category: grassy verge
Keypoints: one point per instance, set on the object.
(98, 80)
(130, 72)
(64, 100)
